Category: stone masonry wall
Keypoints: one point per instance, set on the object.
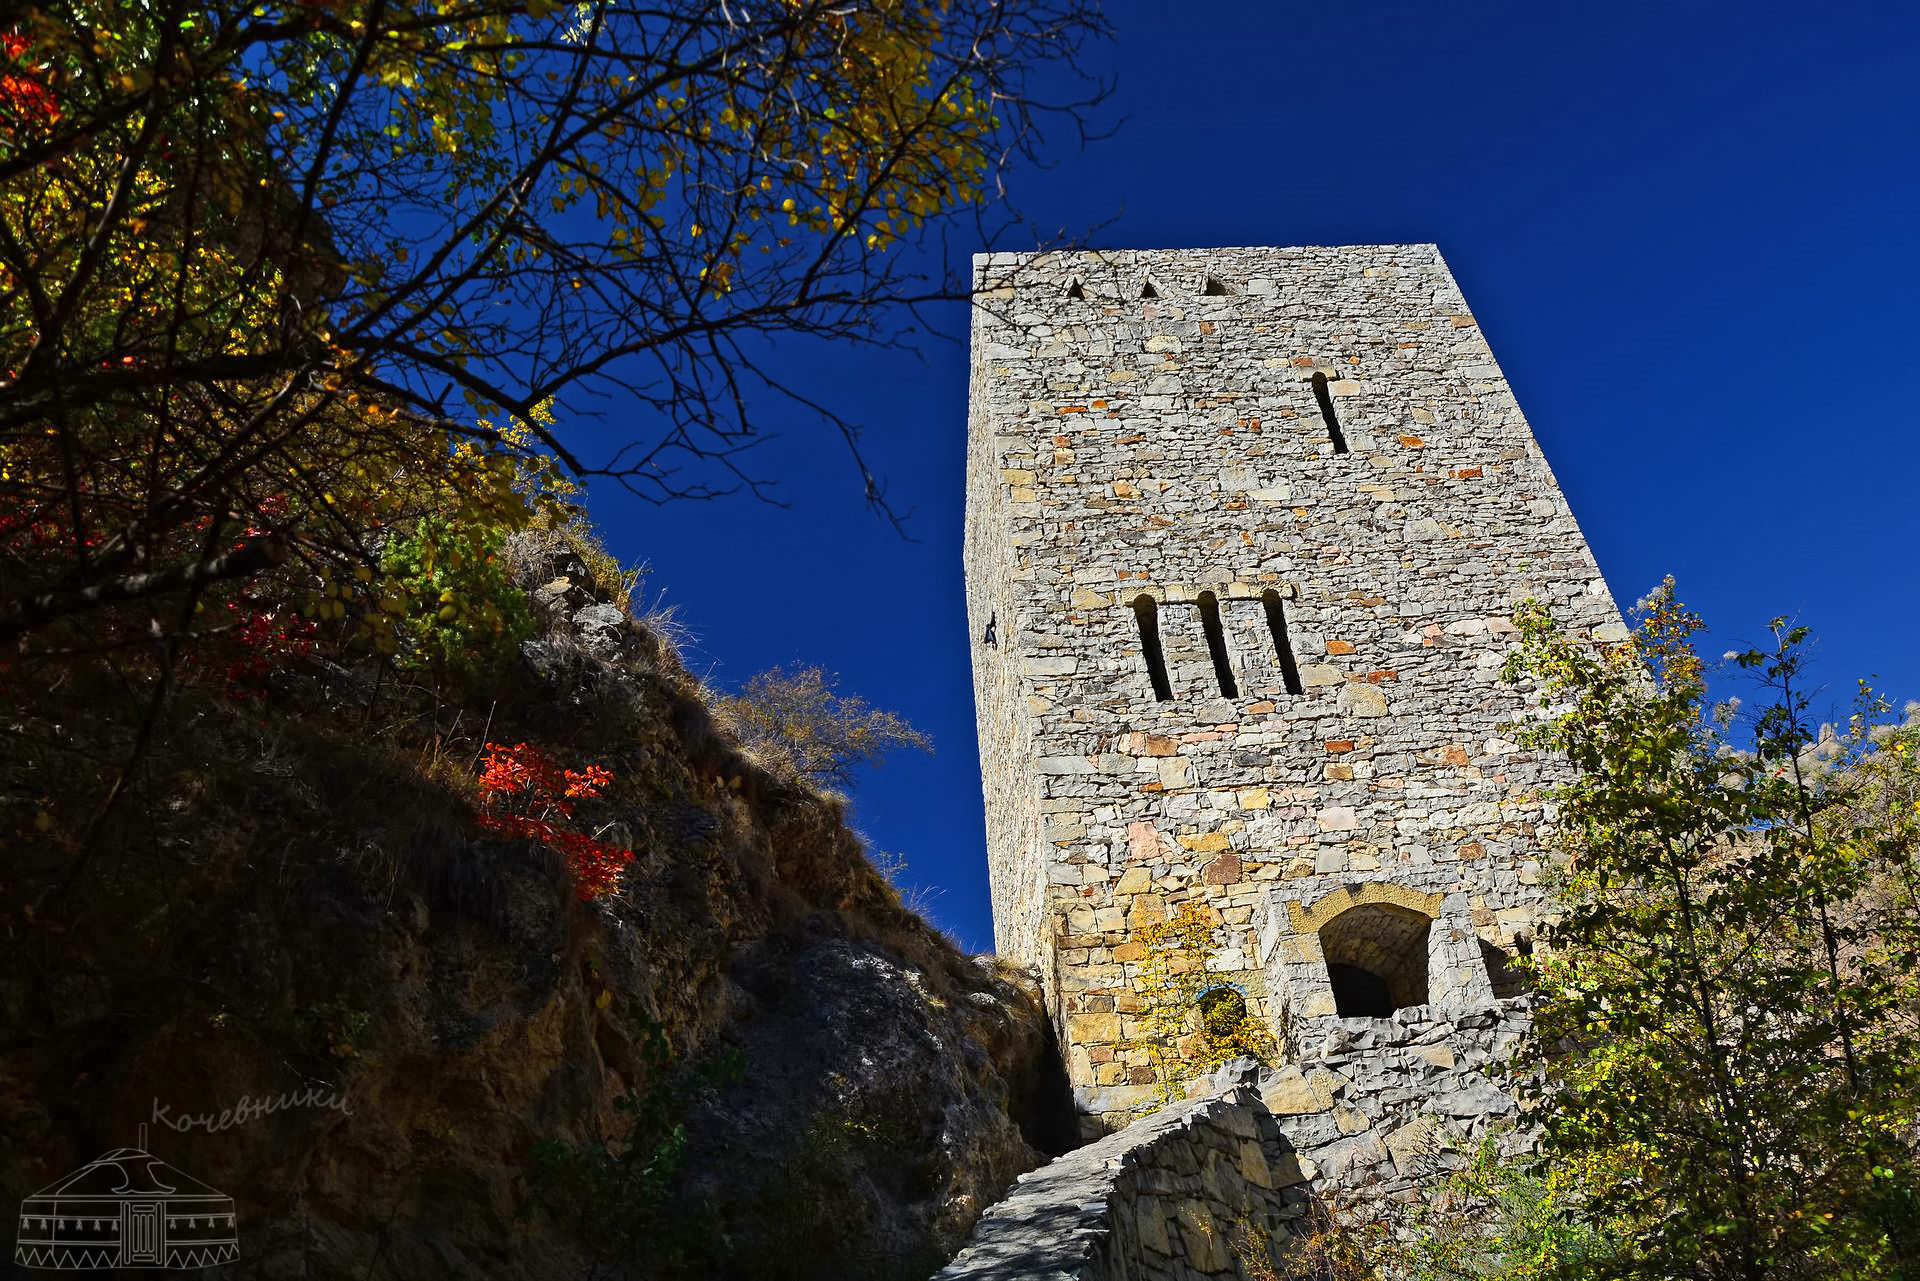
(1379, 1105)
(1203, 1186)
(1006, 729)
(1177, 1196)
(1382, 818)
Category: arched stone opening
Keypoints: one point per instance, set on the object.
(1223, 1010)
(1376, 955)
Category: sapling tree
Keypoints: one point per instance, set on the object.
(1726, 996)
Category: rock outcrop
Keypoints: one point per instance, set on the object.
(406, 1049)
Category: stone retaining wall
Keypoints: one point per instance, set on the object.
(1386, 1103)
(1176, 1196)
(1202, 1186)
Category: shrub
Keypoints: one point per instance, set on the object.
(1193, 1023)
(458, 614)
(529, 797)
(799, 725)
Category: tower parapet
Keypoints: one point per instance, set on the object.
(1249, 526)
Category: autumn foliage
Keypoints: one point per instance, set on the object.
(1727, 995)
(294, 267)
(263, 639)
(1190, 1023)
(27, 106)
(530, 797)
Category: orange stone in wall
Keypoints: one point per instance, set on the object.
(1224, 870)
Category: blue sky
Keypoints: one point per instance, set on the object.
(1689, 232)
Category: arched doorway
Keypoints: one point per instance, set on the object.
(1376, 955)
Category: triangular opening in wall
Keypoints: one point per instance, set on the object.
(1148, 291)
(1075, 291)
(1214, 289)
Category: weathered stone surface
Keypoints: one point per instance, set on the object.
(1254, 1167)
(1362, 700)
(1166, 462)
(1475, 1098)
(1288, 1092)
(1414, 1145)
(1094, 1027)
(1179, 1194)
(600, 618)
(1224, 870)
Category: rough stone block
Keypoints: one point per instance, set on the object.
(1289, 1092)
(1224, 870)
(1414, 1145)
(1206, 1249)
(1150, 1223)
(1337, 818)
(1090, 1028)
(1254, 1167)
(1362, 700)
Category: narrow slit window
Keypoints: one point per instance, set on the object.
(1282, 647)
(1217, 644)
(1075, 291)
(1147, 613)
(1325, 397)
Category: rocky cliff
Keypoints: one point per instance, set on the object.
(406, 1048)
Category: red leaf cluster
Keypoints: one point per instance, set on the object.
(267, 638)
(37, 530)
(25, 101)
(529, 796)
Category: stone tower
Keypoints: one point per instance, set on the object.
(1245, 529)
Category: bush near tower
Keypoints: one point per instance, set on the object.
(1190, 1024)
(1727, 995)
